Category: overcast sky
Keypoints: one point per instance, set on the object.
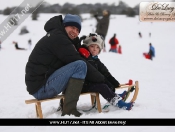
(131, 3)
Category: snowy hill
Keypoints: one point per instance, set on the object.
(156, 78)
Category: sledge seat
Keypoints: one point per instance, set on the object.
(38, 107)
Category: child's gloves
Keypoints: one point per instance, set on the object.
(84, 52)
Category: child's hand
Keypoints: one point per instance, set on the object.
(84, 52)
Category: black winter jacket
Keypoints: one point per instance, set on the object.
(52, 52)
(109, 79)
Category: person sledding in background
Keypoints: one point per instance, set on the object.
(17, 47)
(151, 52)
(113, 42)
(119, 50)
(140, 34)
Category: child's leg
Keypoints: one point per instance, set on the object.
(110, 96)
(103, 89)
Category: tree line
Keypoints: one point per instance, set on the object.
(120, 9)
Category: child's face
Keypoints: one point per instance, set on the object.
(94, 49)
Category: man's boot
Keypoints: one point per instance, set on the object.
(71, 95)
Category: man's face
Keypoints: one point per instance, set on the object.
(72, 31)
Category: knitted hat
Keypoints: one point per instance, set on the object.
(94, 39)
(72, 20)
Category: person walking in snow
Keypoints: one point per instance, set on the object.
(102, 25)
(151, 52)
(113, 43)
(55, 65)
(92, 46)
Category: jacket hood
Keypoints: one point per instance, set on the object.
(55, 22)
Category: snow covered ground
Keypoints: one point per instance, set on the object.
(156, 78)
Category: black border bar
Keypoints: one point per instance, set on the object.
(87, 122)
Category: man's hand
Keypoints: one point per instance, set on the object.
(84, 52)
(82, 38)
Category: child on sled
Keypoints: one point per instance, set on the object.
(90, 49)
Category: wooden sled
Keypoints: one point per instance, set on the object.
(131, 88)
(38, 108)
(94, 98)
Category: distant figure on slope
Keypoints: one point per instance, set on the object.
(23, 30)
(140, 35)
(113, 42)
(119, 49)
(149, 34)
(17, 47)
(151, 52)
(102, 25)
(30, 43)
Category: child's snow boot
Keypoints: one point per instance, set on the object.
(123, 94)
(124, 105)
(117, 101)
